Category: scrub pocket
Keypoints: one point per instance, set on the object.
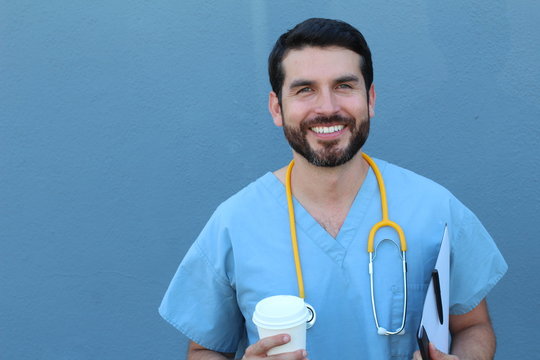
(403, 346)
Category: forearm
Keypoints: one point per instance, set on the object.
(206, 355)
(474, 343)
(197, 352)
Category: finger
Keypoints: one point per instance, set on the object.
(436, 354)
(294, 355)
(416, 355)
(262, 346)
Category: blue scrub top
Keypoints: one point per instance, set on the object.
(244, 254)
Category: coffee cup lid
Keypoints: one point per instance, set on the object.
(280, 312)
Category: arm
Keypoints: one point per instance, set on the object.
(197, 352)
(472, 337)
(253, 352)
(472, 334)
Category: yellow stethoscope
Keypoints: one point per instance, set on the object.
(385, 222)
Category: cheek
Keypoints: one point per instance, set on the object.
(297, 112)
(364, 110)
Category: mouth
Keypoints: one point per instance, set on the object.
(328, 132)
(327, 129)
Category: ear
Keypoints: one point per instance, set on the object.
(371, 97)
(275, 109)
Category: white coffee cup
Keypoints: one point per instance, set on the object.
(282, 314)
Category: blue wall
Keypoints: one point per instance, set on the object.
(124, 124)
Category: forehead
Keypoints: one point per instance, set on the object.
(313, 63)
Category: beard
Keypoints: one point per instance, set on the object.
(330, 155)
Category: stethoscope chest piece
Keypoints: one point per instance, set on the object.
(312, 317)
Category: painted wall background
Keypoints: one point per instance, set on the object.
(124, 124)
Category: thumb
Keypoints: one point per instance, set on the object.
(436, 354)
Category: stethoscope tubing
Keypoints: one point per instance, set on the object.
(385, 222)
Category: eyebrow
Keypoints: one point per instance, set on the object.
(347, 78)
(301, 82)
(341, 79)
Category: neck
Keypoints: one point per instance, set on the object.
(328, 185)
(326, 193)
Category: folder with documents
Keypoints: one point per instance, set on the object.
(434, 324)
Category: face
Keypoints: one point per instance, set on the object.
(325, 108)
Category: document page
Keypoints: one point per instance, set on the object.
(437, 300)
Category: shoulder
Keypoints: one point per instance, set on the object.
(255, 202)
(232, 221)
(407, 180)
(251, 198)
(422, 196)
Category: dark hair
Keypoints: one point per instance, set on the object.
(319, 33)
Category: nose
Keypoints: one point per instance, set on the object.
(327, 103)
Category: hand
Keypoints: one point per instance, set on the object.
(435, 354)
(261, 347)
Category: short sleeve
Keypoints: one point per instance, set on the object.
(201, 303)
(476, 264)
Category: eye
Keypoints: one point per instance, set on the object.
(304, 90)
(344, 86)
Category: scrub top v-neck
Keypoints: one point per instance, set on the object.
(336, 247)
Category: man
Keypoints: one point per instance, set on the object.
(323, 97)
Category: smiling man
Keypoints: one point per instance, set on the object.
(323, 96)
(326, 101)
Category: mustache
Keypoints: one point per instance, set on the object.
(327, 120)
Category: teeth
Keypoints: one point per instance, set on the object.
(327, 129)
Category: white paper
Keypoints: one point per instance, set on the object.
(439, 334)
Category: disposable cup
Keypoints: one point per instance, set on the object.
(282, 314)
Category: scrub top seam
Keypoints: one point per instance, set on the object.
(190, 335)
(476, 299)
(219, 277)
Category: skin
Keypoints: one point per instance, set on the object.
(325, 82)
